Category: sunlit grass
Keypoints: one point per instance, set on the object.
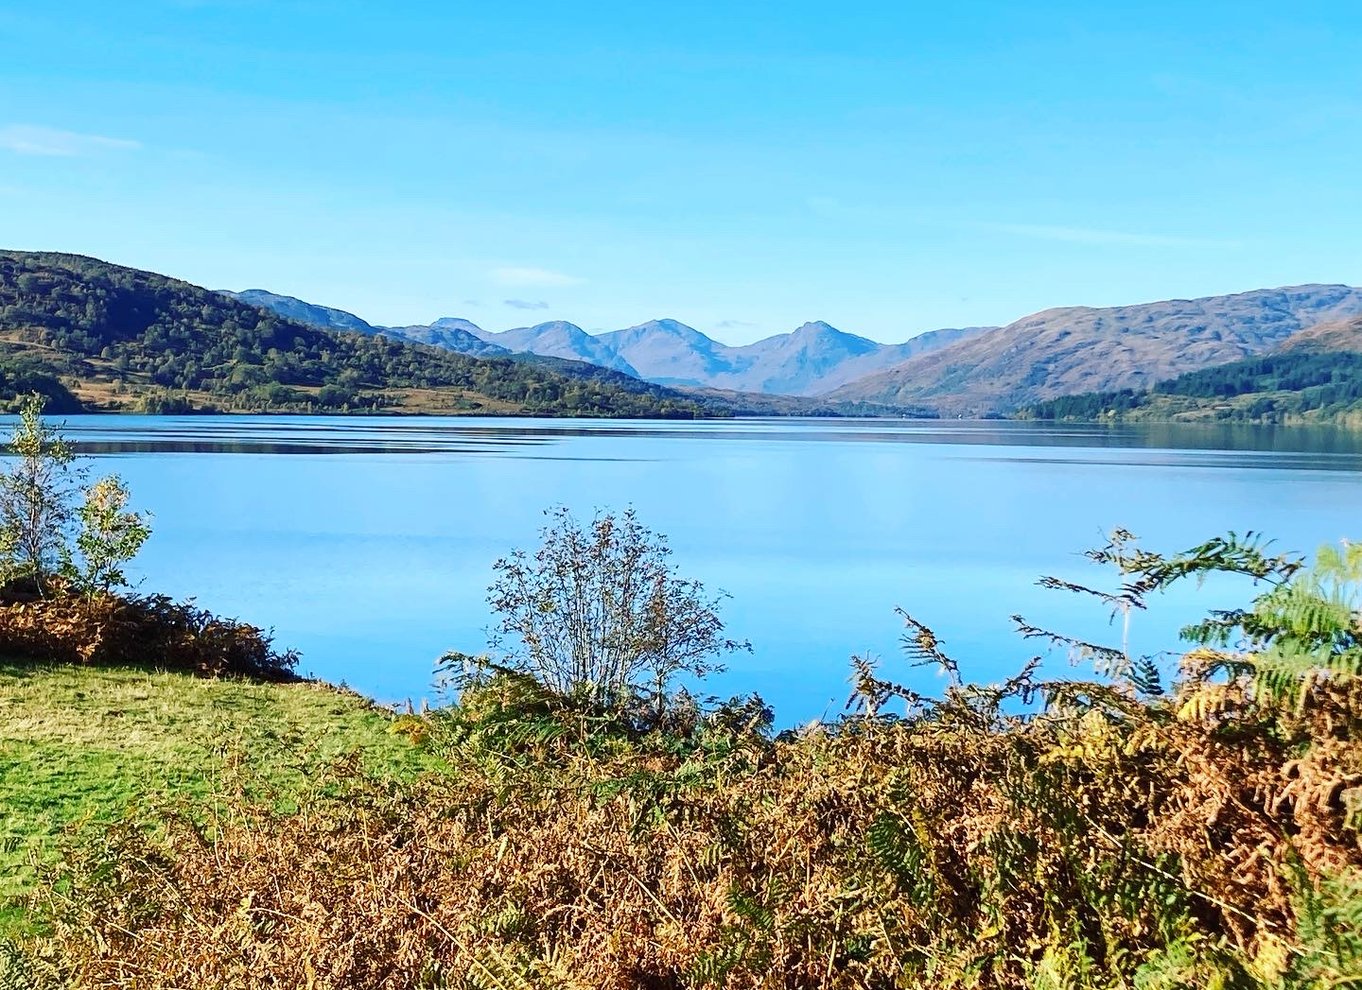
(82, 746)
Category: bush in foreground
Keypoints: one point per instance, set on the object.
(139, 631)
(1125, 835)
(600, 620)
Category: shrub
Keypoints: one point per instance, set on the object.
(64, 561)
(153, 630)
(599, 616)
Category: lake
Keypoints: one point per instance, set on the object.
(367, 543)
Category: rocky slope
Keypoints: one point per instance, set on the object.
(1079, 349)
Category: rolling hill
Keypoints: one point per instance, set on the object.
(1079, 350)
(1315, 375)
(110, 337)
(1332, 335)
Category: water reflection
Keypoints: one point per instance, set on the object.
(1318, 448)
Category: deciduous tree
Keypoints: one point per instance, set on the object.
(599, 614)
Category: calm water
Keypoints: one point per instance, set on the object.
(368, 543)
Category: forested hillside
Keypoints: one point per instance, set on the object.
(92, 334)
(1296, 384)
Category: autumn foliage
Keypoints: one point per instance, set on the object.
(1044, 832)
(142, 630)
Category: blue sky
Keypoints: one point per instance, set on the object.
(887, 167)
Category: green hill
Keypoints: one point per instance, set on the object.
(98, 336)
(1294, 384)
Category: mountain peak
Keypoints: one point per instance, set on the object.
(818, 334)
(293, 308)
(554, 326)
(456, 323)
(668, 326)
(559, 338)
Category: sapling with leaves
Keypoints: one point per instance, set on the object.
(110, 536)
(37, 495)
(53, 528)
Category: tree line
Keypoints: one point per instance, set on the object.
(1287, 384)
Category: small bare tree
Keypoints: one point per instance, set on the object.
(598, 614)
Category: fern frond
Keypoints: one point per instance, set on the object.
(1108, 659)
(923, 648)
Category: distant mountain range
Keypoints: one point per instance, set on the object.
(558, 338)
(454, 334)
(812, 360)
(451, 334)
(93, 335)
(969, 371)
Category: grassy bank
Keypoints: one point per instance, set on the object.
(87, 745)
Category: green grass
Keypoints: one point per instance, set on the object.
(81, 746)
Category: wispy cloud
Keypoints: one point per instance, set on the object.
(525, 304)
(733, 325)
(26, 139)
(533, 277)
(1089, 235)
